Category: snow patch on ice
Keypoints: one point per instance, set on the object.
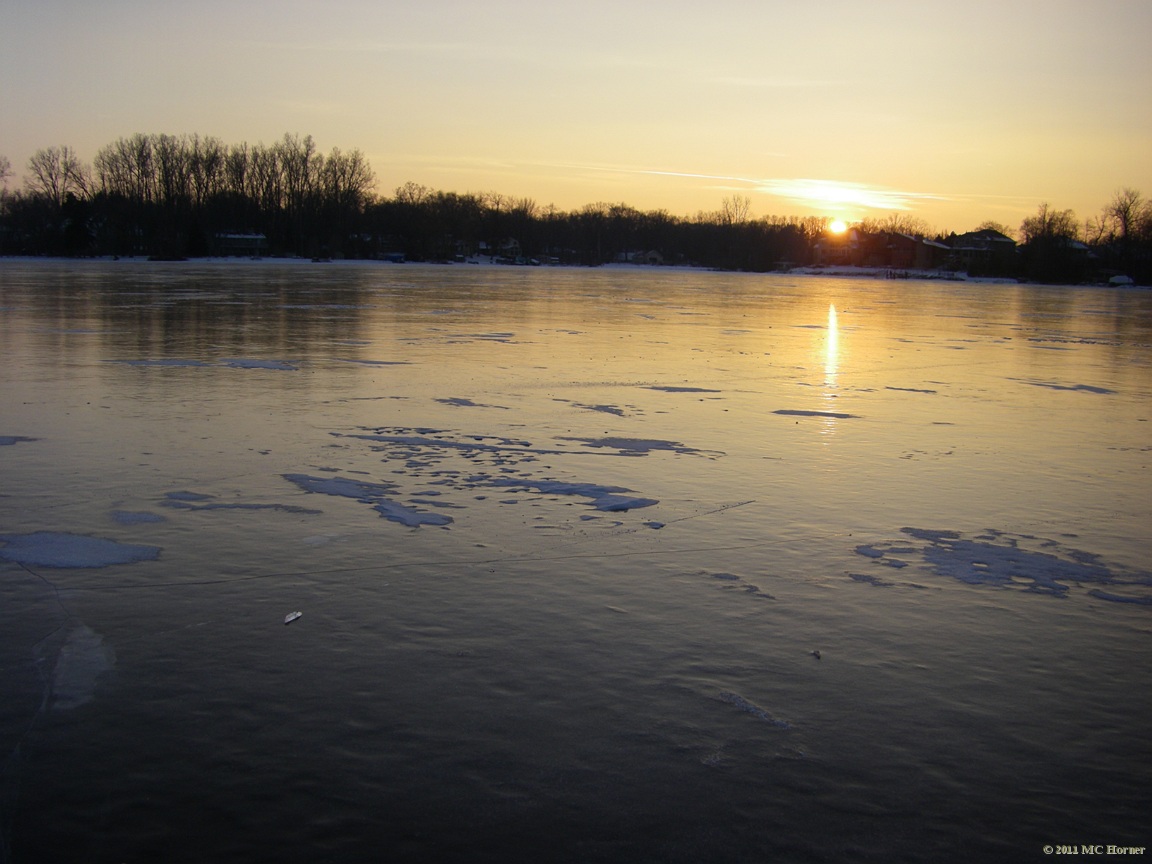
(368, 493)
(1011, 561)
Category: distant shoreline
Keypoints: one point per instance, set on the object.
(843, 271)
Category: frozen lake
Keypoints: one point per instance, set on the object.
(594, 565)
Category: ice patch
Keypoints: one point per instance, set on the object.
(82, 660)
(461, 402)
(1051, 385)
(606, 498)
(172, 362)
(375, 362)
(670, 389)
(184, 495)
(1005, 561)
(799, 413)
(129, 517)
(59, 549)
(231, 362)
(243, 363)
(368, 493)
(635, 446)
(751, 708)
(9, 440)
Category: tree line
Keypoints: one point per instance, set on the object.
(175, 196)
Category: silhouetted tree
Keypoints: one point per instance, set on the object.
(1051, 247)
(54, 173)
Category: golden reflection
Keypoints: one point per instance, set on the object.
(831, 366)
(831, 347)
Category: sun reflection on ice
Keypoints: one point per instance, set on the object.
(831, 367)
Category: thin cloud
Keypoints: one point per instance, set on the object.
(833, 192)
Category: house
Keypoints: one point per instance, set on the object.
(840, 249)
(229, 245)
(986, 252)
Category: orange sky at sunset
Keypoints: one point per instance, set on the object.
(955, 113)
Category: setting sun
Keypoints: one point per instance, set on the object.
(838, 226)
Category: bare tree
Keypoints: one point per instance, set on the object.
(55, 173)
(734, 210)
(896, 223)
(412, 193)
(1125, 211)
(992, 225)
(1050, 224)
(5, 171)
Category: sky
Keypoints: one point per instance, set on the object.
(955, 113)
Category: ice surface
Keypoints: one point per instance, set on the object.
(59, 549)
(185, 500)
(82, 660)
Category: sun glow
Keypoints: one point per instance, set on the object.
(838, 226)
